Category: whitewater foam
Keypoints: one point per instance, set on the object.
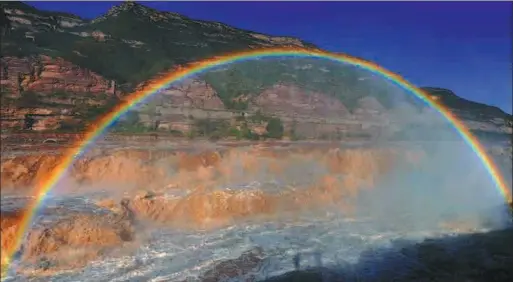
(174, 255)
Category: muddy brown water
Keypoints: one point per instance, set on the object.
(177, 208)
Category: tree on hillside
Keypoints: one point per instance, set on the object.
(236, 86)
(232, 84)
(5, 23)
(508, 121)
(132, 118)
(275, 128)
(152, 109)
(54, 22)
(293, 131)
(29, 99)
(28, 123)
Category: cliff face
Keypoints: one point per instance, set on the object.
(294, 101)
(66, 71)
(192, 93)
(50, 90)
(44, 74)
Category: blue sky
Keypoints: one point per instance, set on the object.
(462, 46)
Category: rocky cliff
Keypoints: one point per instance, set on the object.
(64, 71)
(44, 74)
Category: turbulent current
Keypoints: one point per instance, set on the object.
(251, 214)
(168, 255)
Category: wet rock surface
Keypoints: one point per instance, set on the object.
(171, 211)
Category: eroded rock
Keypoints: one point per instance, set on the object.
(44, 74)
(69, 242)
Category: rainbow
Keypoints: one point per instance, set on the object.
(99, 127)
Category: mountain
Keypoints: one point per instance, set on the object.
(65, 71)
(463, 106)
(130, 43)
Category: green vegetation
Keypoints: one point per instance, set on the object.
(176, 133)
(28, 122)
(258, 117)
(29, 100)
(5, 24)
(70, 126)
(508, 121)
(60, 95)
(246, 133)
(130, 122)
(131, 118)
(178, 41)
(275, 128)
(251, 77)
(218, 129)
(138, 128)
(213, 129)
(138, 46)
(91, 113)
(451, 100)
(293, 134)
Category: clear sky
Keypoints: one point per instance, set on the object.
(462, 46)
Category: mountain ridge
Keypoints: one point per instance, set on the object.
(103, 59)
(131, 5)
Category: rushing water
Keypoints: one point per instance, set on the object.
(410, 211)
(173, 255)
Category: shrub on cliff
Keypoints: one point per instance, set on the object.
(208, 127)
(29, 99)
(293, 132)
(275, 128)
(259, 117)
(131, 118)
(508, 121)
(247, 134)
(70, 126)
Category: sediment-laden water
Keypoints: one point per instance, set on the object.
(289, 209)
